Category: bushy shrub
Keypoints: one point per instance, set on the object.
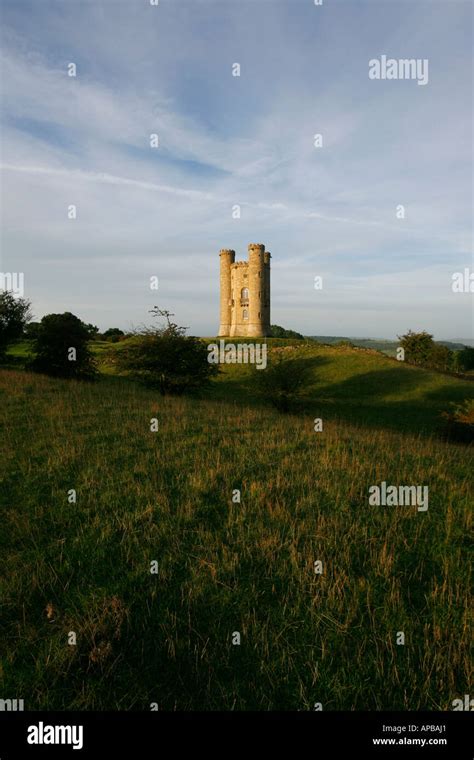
(167, 359)
(282, 332)
(283, 381)
(61, 345)
(439, 357)
(31, 330)
(417, 347)
(422, 350)
(463, 360)
(113, 334)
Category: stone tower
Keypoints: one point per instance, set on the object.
(245, 293)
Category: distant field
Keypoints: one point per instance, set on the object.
(226, 567)
(388, 347)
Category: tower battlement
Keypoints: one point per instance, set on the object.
(245, 293)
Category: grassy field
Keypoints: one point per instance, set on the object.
(226, 567)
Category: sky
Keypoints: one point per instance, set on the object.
(224, 141)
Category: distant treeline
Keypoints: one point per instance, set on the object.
(282, 332)
(420, 349)
(378, 344)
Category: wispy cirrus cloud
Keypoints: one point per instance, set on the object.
(246, 141)
(107, 179)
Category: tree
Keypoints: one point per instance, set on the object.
(61, 348)
(463, 360)
(167, 359)
(421, 349)
(93, 330)
(15, 313)
(417, 346)
(439, 357)
(113, 334)
(281, 332)
(31, 330)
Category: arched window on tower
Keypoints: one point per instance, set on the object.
(245, 314)
(244, 296)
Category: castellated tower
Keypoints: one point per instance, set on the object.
(245, 293)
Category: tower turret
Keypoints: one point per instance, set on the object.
(266, 294)
(256, 285)
(227, 257)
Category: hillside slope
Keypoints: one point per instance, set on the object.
(359, 386)
(227, 567)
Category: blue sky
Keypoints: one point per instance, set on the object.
(247, 140)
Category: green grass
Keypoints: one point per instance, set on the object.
(359, 386)
(224, 566)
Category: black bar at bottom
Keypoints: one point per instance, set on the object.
(153, 734)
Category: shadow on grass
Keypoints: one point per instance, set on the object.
(10, 361)
(397, 398)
